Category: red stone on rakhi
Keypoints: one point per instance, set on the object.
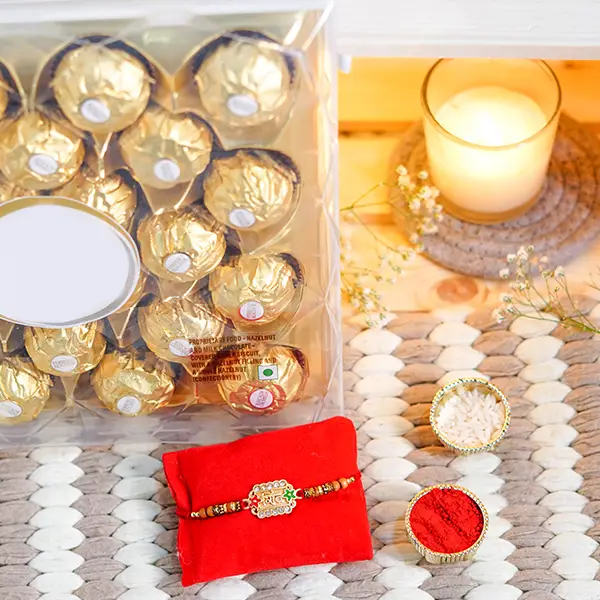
(446, 521)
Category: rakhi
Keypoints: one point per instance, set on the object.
(272, 499)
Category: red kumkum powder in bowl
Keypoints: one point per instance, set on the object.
(446, 520)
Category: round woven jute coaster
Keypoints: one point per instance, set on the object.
(561, 225)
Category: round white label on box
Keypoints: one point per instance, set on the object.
(10, 409)
(63, 231)
(181, 347)
(252, 310)
(242, 105)
(261, 398)
(178, 262)
(129, 405)
(240, 217)
(42, 164)
(167, 170)
(64, 363)
(94, 111)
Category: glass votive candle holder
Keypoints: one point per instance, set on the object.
(489, 128)
(446, 523)
(470, 415)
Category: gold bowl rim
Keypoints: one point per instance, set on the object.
(449, 556)
(439, 396)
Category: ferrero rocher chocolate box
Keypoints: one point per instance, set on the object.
(168, 239)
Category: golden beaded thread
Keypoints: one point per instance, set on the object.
(327, 488)
(272, 499)
(216, 510)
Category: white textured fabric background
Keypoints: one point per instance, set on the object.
(99, 524)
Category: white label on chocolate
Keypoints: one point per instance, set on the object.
(242, 105)
(181, 347)
(252, 310)
(64, 363)
(94, 111)
(42, 164)
(178, 262)
(129, 405)
(242, 218)
(167, 170)
(261, 398)
(10, 410)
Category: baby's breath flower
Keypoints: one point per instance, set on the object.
(504, 273)
(428, 193)
(522, 255)
(498, 315)
(404, 181)
(414, 206)
(422, 214)
(547, 298)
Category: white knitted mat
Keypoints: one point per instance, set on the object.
(99, 524)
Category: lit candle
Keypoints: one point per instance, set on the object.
(489, 130)
(502, 166)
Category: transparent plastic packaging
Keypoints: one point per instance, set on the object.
(168, 222)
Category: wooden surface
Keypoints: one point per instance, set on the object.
(371, 126)
(384, 94)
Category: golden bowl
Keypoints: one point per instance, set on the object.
(469, 385)
(438, 558)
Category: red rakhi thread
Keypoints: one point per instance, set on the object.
(446, 521)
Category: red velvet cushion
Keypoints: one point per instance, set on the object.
(332, 528)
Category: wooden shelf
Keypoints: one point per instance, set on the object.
(383, 94)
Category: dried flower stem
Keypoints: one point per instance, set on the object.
(419, 207)
(545, 301)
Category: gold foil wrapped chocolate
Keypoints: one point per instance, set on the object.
(181, 246)
(255, 291)
(111, 194)
(245, 82)
(272, 376)
(164, 149)
(137, 294)
(251, 190)
(124, 327)
(101, 89)
(4, 97)
(128, 384)
(24, 390)
(169, 327)
(65, 352)
(38, 153)
(8, 191)
(11, 337)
